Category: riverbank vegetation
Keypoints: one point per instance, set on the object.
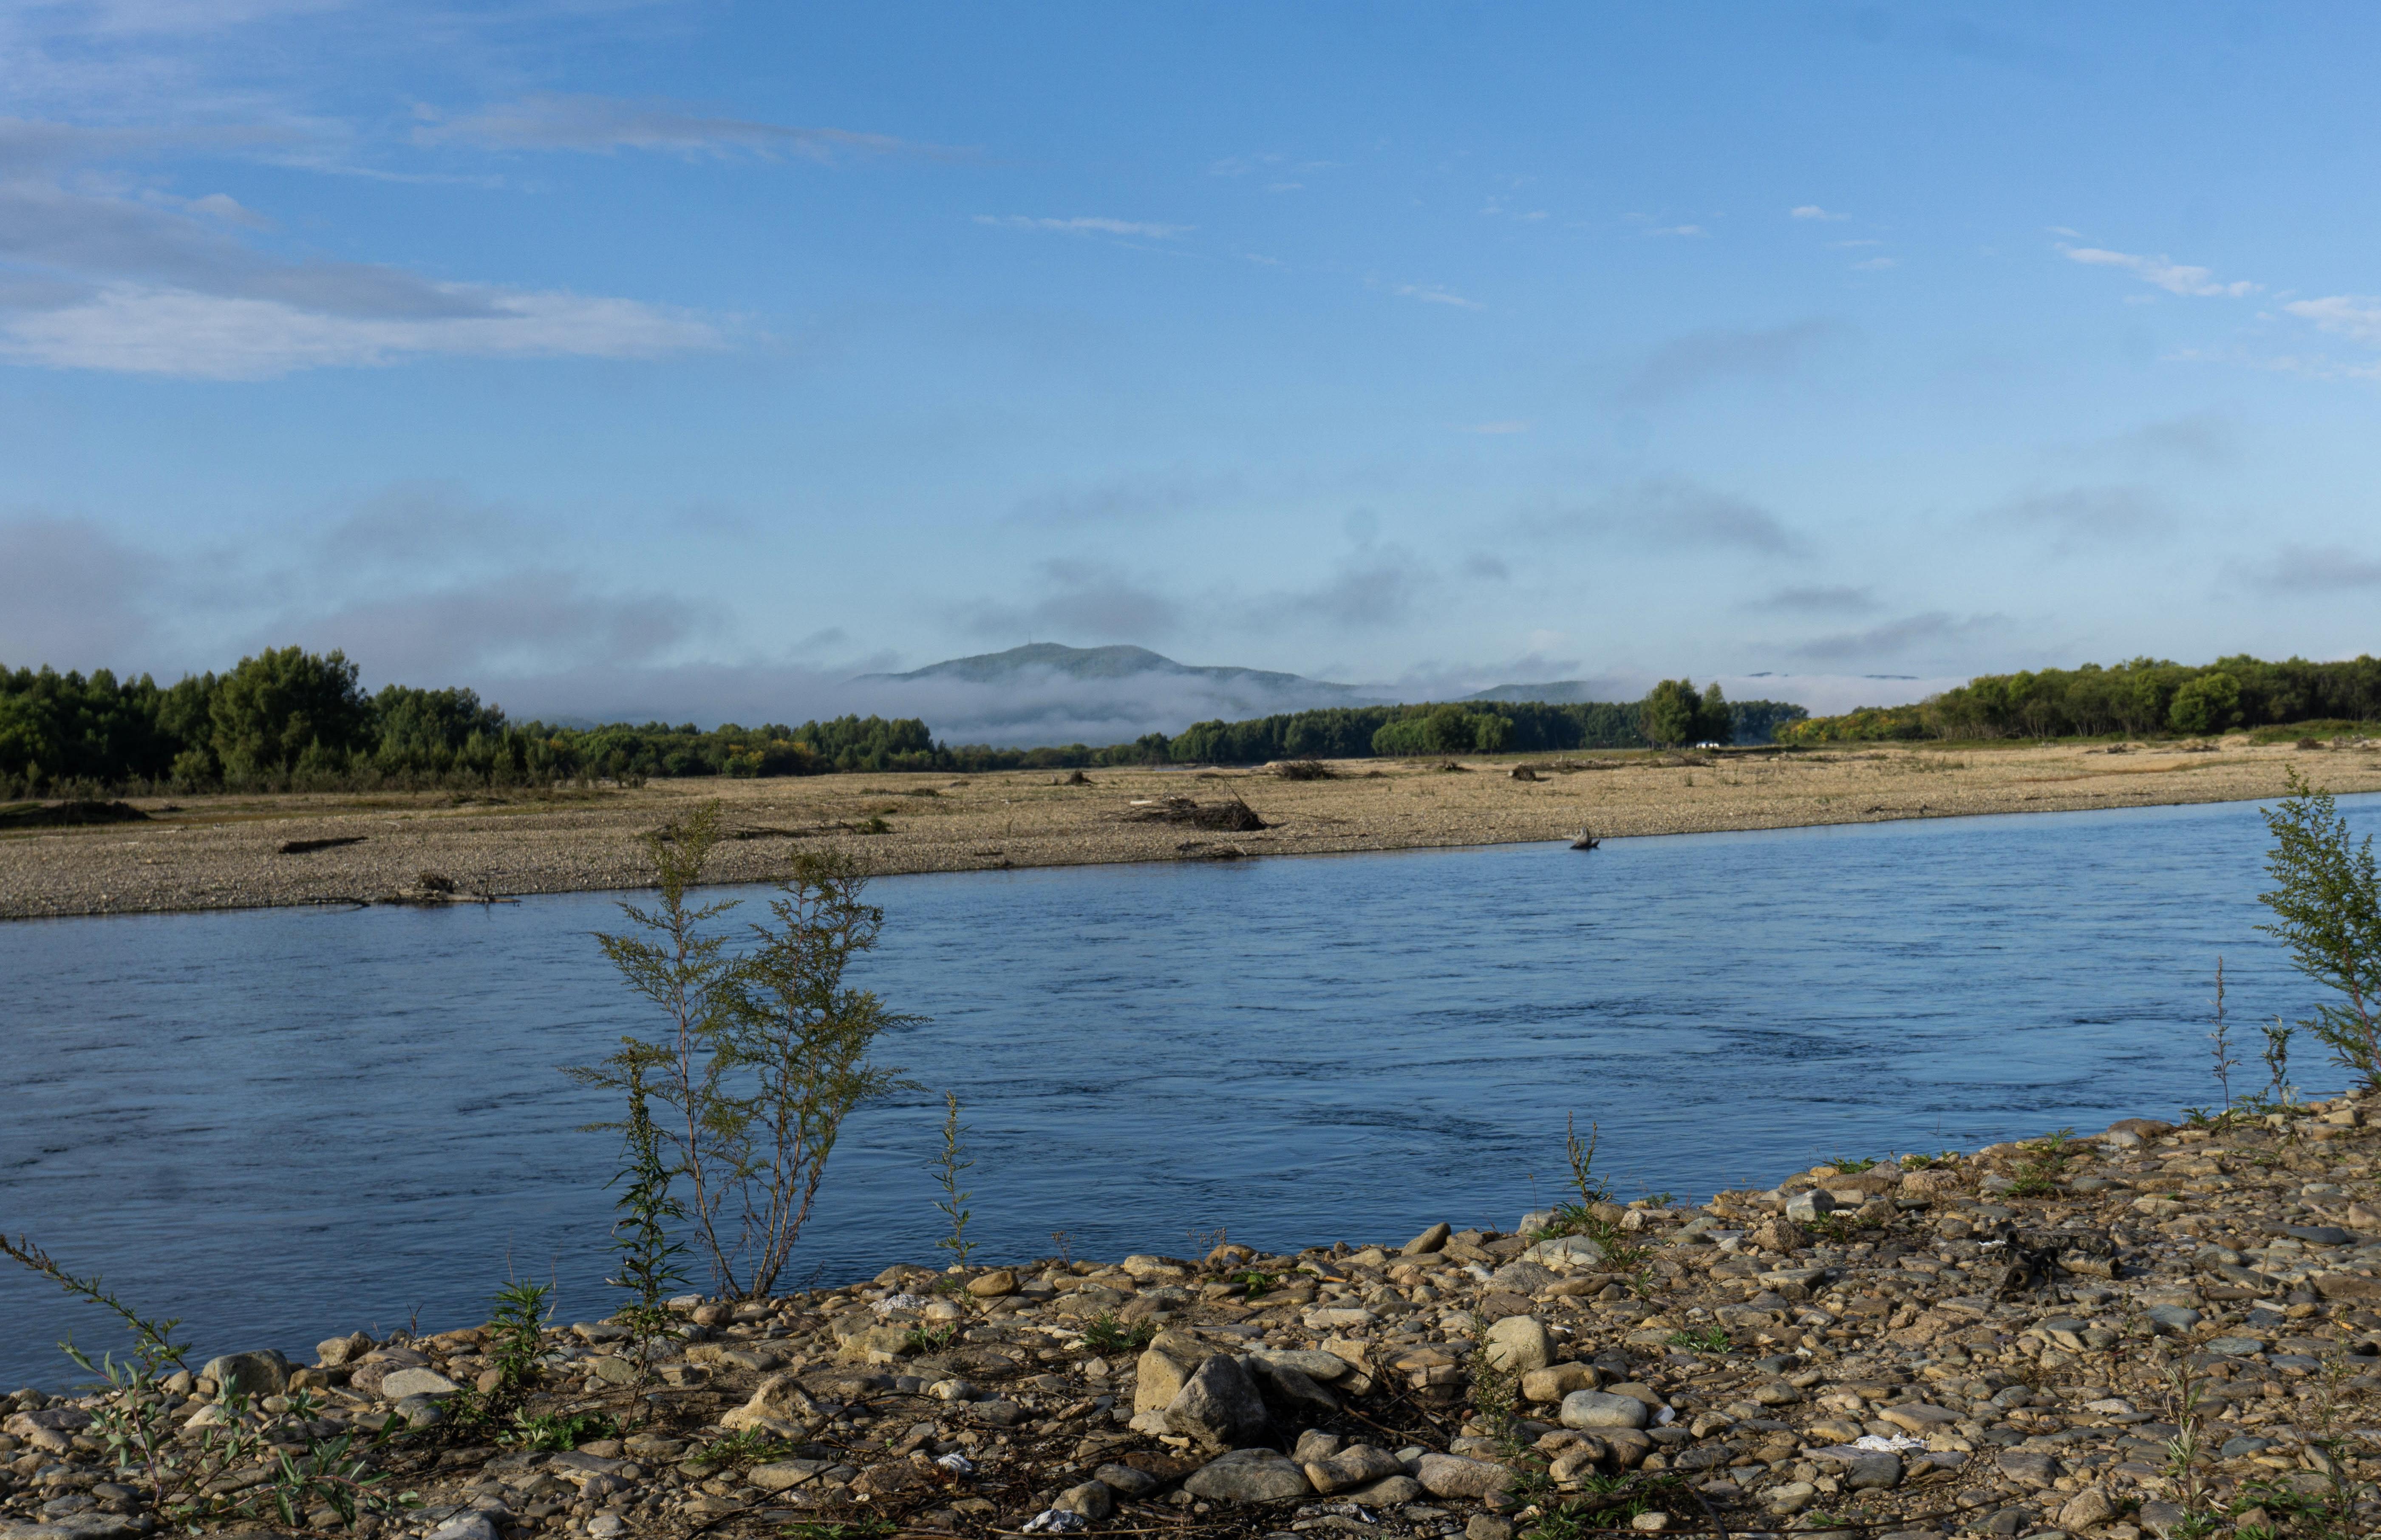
(2143, 698)
(290, 720)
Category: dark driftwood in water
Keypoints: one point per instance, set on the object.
(300, 847)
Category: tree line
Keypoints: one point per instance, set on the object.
(1673, 713)
(2145, 697)
(287, 719)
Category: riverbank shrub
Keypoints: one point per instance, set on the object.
(764, 1050)
(2326, 906)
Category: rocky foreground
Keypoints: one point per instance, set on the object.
(2159, 1330)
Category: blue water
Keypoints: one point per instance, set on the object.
(284, 1124)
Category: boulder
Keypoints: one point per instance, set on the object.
(1598, 1409)
(779, 1406)
(265, 1373)
(1093, 1499)
(1127, 1482)
(2084, 1509)
(408, 1383)
(1805, 1208)
(1429, 1240)
(338, 1352)
(1000, 1283)
(1519, 1343)
(1248, 1476)
(1448, 1476)
(1221, 1408)
(1557, 1380)
(1292, 1392)
(1354, 1466)
(1158, 1378)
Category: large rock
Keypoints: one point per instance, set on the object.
(1807, 1208)
(1596, 1409)
(257, 1374)
(1221, 1407)
(467, 1526)
(2029, 1467)
(1557, 1380)
(1248, 1475)
(1565, 1251)
(2084, 1509)
(1128, 1482)
(778, 1476)
(1523, 1277)
(1000, 1283)
(1094, 1500)
(338, 1352)
(1388, 1492)
(1353, 1466)
(1158, 1378)
(1306, 1361)
(407, 1383)
(1427, 1241)
(1292, 1392)
(1448, 1476)
(780, 1406)
(1521, 1343)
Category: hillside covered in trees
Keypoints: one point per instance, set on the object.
(2143, 698)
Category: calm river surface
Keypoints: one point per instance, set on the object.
(285, 1124)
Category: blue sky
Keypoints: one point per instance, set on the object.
(695, 357)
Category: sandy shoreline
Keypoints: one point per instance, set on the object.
(227, 852)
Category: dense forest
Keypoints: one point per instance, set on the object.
(2143, 698)
(289, 719)
(1481, 727)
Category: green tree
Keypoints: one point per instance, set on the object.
(1451, 731)
(2327, 910)
(2208, 703)
(1714, 722)
(266, 714)
(1671, 713)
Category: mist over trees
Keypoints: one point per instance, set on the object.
(2143, 698)
(286, 719)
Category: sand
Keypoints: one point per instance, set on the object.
(227, 851)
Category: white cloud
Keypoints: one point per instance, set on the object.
(140, 329)
(1085, 225)
(2167, 273)
(1813, 211)
(1693, 231)
(2355, 316)
(605, 124)
(1875, 264)
(1432, 295)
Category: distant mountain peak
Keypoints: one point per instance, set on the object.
(1101, 663)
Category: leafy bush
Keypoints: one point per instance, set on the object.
(2326, 908)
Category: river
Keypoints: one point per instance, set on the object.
(284, 1124)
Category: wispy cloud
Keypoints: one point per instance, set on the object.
(2083, 513)
(1692, 231)
(1875, 264)
(1821, 599)
(1430, 294)
(2320, 569)
(1083, 225)
(1701, 358)
(1671, 513)
(94, 275)
(2164, 272)
(2354, 316)
(1813, 211)
(1935, 631)
(602, 125)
